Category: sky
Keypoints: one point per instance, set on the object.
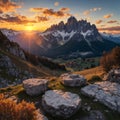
(41, 14)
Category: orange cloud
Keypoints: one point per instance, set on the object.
(115, 29)
(87, 12)
(51, 12)
(18, 19)
(112, 21)
(41, 19)
(37, 9)
(56, 4)
(107, 16)
(65, 9)
(99, 21)
(8, 6)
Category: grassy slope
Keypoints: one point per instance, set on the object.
(39, 71)
(91, 72)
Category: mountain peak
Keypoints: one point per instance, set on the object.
(73, 25)
(72, 19)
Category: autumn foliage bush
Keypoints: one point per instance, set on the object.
(10, 110)
(111, 60)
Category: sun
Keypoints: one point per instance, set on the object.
(29, 28)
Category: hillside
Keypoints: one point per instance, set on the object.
(17, 65)
(97, 71)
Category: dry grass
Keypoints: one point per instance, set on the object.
(97, 71)
(40, 71)
(13, 111)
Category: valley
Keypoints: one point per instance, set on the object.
(79, 64)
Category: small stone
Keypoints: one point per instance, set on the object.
(72, 80)
(35, 86)
(88, 108)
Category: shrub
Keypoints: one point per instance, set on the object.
(94, 79)
(10, 110)
(111, 59)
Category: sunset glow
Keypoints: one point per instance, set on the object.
(40, 15)
(29, 28)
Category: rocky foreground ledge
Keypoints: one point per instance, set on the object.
(105, 92)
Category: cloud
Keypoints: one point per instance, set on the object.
(51, 12)
(8, 6)
(107, 16)
(112, 21)
(99, 21)
(37, 9)
(95, 9)
(65, 9)
(103, 25)
(41, 19)
(18, 19)
(115, 28)
(56, 4)
(87, 12)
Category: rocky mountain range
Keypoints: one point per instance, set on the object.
(67, 40)
(115, 38)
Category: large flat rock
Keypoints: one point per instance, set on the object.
(35, 86)
(105, 92)
(59, 103)
(72, 80)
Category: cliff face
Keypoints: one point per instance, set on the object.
(10, 73)
(11, 47)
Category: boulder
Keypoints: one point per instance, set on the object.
(72, 80)
(113, 75)
(61, 104)
(105, 92)
(35, 86)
